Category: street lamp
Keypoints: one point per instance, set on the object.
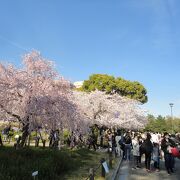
(171, 106)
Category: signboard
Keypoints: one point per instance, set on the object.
(35, 173)
(106, 168)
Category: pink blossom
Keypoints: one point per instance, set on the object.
(36, 94)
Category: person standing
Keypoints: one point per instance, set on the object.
(141, 152)
(156, 156)
(92, 141)
(122, 145)
(148, 148)
(128, 145)
(118, 145)
(166, 146)
(101, 132)
(136, 153)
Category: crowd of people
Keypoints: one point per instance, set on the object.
(154, 146)
(131, 145)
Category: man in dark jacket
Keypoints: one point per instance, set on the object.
(148, 148)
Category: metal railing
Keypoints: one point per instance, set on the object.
(93, 171)
(104, 164)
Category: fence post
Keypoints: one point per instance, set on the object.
(103, 173)
(91, 174)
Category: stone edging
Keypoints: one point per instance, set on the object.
(117, 169)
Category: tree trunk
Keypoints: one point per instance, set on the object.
(51, 138)
(1, 143)
(43, 140)
(44, 143)
(29, 140)
(50, 141)
(24, 134)
(37, 142)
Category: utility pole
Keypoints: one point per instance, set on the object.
(171, 106)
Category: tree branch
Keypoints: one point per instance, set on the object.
(10, 113)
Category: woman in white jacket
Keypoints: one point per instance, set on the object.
(136, 152)
(118, 146)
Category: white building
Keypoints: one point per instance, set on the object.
(78, 84)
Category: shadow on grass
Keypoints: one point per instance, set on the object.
(88, 159)
(51, 164)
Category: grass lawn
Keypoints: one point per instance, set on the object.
(51, 164)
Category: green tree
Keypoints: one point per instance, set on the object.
(133, 90)
(101, 82)
(156, 124)
(173, 124)
(162, 124)
(150, 124)
(110, 84)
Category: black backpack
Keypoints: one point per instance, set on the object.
(121, 141)
(127, 140)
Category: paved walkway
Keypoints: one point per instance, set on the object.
(127, 173)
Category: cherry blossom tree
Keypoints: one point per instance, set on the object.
(111, 110)
(36, 95)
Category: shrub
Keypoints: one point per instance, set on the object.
(19, 164)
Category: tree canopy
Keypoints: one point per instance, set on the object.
(111, 85)
(163, 124)
(110, 110)
(36, 95)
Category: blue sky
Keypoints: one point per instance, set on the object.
(135, 39)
